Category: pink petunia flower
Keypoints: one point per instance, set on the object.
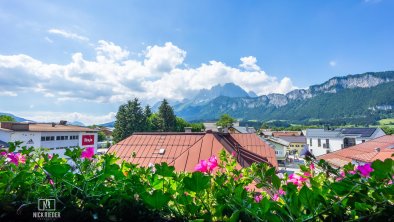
(312, 166)
(3, 153)
(88, 153)
(16, 158)
(281, 192)
(365, 169)
(202, 166)
(212, 163)
(275, 197)
(258, 198)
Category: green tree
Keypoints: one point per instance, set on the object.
(101, 136)
(147, 111)
(225, 121)
(129, 119)
(181, 124)
(166, 114)
(154, 123)
(197, 127)
(5, 118)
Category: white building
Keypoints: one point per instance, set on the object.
(322, 141)
(56, 137)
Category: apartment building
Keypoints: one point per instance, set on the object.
(56, 137)
(323, 141)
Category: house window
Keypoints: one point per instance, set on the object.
(319, 142)
(52, 138)
(66, 138)
(43, 138)
(57, 137)
(47, 138)
(327, 143)
(61, 137)
(310, 142)
(363, 141)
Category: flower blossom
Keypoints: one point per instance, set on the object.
(258, 198)
(312, 166)
(16, 158)
(202, 166)
(365, 169)
(207, 166)
(88, 153)
(296, 179)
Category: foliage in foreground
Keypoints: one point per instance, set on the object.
(100, 188)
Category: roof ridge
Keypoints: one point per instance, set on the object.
(186, 150)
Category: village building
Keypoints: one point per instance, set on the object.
(55, 137)
(185, 150)
(323, 141)
(296, 143)
(376, 149)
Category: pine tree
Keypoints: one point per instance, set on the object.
(129, 119)
(147, 111)
(167, 116)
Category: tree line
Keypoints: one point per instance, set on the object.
(132, 117)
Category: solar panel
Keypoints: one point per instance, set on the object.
(365, 132)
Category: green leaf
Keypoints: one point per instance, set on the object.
(164, 170)
(307, 197)
(381, 169)
(57, 170)
(276, 181)
(157, 200)
(197, 182)
(235, 216)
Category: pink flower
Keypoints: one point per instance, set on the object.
(307, 174)
(296, 180)
(365, 170)
(312, 166)
(275, 197)
(202, 166)
(88, 153)
(352, 172)
(212, 163)
(247, 188)
(16, 158)
(239, 177)
(281, 192)
(51, 182)
(258, 198)
(233, 153)
(3, 153)
(50, 156)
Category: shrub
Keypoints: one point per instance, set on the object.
(101, 188)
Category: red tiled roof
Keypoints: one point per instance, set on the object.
(185, 150)
(364, 152)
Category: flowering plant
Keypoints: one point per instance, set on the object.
(93, 187)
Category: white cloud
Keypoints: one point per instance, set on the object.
(68, 35)
(113, 77)
(48, 39)
(249, 63)
(332, 63)
(87, 119)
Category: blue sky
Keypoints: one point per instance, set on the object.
(81, 59)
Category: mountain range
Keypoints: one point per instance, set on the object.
(352, 96)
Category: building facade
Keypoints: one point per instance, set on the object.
(322, 141)
(57, 138)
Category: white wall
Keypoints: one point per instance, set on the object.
(5, 136)
(25, 137)
(335, 144)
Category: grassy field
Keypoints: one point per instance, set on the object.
(387, 121)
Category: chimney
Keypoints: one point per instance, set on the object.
(220, 129)
(53, 124)
(188, 129)
(225, 130)
(377, 149)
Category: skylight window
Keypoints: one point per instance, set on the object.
(162, 151)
